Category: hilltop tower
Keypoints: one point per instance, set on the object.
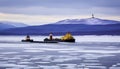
(93, 16)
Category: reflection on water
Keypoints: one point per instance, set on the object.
(79, 55)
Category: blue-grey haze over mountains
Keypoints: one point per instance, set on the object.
(90, 26)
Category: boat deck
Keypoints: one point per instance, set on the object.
(41, 41)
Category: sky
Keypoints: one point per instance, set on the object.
(38, 12)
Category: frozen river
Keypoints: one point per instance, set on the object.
(89, 52)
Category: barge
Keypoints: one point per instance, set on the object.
(66, 38)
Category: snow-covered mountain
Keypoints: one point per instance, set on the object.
(5, 26)
(89, 26)
(16, 24)
(88, 21)
(8, 24)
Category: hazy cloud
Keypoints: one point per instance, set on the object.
(60, 7)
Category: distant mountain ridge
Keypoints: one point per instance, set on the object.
(89, 26)
(7, 25)
(16, 24)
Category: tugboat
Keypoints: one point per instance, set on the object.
(67, 38)
(27, 39)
